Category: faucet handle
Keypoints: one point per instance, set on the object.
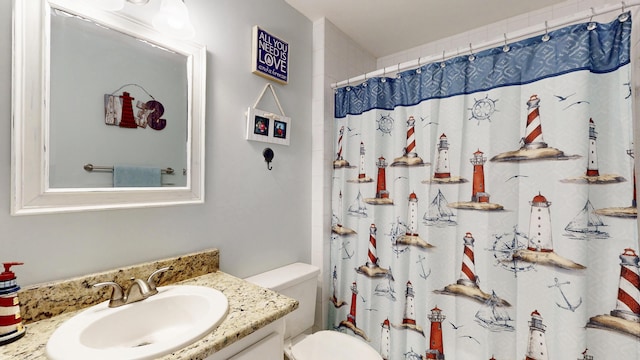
(117, 295)
(151, 280)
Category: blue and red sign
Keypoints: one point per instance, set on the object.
(270, 56)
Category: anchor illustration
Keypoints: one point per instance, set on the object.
(424, 275)
(346, 252)
(569, 306)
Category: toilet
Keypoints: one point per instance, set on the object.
(299, 281)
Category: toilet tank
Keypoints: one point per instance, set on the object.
(297, 281)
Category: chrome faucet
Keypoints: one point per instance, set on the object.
(138, 291)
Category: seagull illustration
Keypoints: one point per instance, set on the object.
(563, 98)
(429, 123)
(516, 176)
(470, 337)
(577, 103)
(455, 327)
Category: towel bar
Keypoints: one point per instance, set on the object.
(91, 167)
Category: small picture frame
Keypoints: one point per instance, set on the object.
(268, 127)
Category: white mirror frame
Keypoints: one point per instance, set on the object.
(30, 116)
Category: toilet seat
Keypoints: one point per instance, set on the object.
(334, 345)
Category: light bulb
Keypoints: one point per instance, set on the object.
(173, 19)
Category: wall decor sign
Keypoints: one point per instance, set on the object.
(266, 126)
(118, 110)
(270, 56)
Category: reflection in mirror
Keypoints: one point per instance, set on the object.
(100, 89)
(96, 73)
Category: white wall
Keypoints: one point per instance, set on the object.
(496, 30)
(335, 57)
(259, 219)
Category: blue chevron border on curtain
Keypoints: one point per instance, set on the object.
(484, 207)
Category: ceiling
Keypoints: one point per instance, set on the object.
(385, 27)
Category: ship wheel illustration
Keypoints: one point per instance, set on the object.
(505, 246)
(385, 124)
(483, 109)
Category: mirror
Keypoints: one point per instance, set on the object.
(71, 63)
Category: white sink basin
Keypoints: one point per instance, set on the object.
(170, 320)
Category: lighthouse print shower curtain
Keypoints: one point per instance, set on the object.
(484, 207)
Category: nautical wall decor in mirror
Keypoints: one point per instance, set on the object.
(107, 111)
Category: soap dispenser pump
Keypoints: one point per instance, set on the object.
(11, 327)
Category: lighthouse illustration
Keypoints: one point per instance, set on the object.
(409, 318)
(592, 175)
(350, 323)
(592, 158)
(479, 196)
(411, 236)
(442, 164)
(533, 146)
(340, 162)
(478, 191)
(442, 173)
(540, 243)
(362, 175)
(382, 194)
(410, 156)
(334, 298)
(537, 345)
(468, 270)
(625, 318)
(385, 341)
(127, 120)
(533, 130)
(371, 268)
(436, 346)
(540, 225)
(467, 284)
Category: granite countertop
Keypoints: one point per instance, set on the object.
(250, 308)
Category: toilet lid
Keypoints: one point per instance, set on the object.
(333, 345)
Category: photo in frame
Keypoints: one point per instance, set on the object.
(268, 127)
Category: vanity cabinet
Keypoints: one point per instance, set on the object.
(265, 343)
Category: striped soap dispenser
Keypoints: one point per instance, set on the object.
(11, 327)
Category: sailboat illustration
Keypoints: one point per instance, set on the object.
(494, 317)
(398, 230)
(439, 213)
(586, 224)
(357, 208)
(386, 289)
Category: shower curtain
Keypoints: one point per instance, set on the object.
(484, 206)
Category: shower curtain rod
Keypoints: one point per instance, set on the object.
(516, 35)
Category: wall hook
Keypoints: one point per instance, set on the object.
(268, 157)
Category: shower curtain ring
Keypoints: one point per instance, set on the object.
(591, 24)
(546, 36)
(623, 16)
(506, 47)
(471, 56)
(442, 64)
